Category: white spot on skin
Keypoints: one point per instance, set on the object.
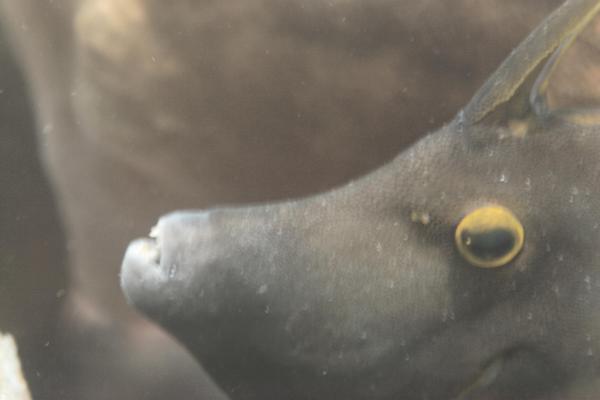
(172, 271)
(420, 217)
(448, 315)
(154, 232)
(262, 289)
(47, 129)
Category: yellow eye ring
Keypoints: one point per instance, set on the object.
(489, 237)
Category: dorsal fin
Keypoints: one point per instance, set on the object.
(537, 54)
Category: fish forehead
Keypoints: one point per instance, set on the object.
(488, 160)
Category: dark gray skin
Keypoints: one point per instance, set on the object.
(144, 106)
(360, 293)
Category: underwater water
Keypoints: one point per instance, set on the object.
(415, 281)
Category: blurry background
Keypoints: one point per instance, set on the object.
(32, 244)
(146, 106)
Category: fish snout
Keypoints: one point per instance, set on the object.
(161, 273)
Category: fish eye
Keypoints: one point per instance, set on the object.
(489, 237)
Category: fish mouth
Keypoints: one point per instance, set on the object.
(142, 263)
(141, 270)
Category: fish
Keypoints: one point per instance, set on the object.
(468, 267)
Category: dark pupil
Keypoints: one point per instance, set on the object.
(490, 244)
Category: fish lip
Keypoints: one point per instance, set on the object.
(154, 232)
(144, 251)
(141, 272)
(150, 266)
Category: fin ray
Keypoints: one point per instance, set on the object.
(554, 35)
